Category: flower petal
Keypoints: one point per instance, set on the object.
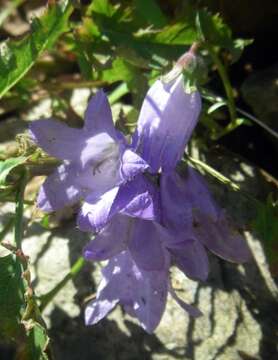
(96, 310)
(57, 139)
(110, 241)
(98, 116)
(175, 207)
(151, 298)
(191, 257)
(142, 293)
(166, 121)
(59, 189)
(181, 196)
(222, 238)
(146, 245)
(96, 212)
(137, 198)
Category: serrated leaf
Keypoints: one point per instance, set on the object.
(7, 165)
(17, 57)
(212, 29)
(141, 50)
(11, 297)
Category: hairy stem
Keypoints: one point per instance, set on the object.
(227, 86)
(19, 206)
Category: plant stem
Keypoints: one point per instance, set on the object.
(48, 297)
(222, 178)
(227, 86)
(19, 200)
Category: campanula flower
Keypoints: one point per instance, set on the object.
(143, 294)
(95, 158)
(167, 118)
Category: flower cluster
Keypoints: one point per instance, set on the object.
(145, 216)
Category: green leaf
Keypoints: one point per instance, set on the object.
(11, 298)
(212, 28)
(102, 7)
(180, 33)
(216, 106)
(141, 50)
(151, 12)
(37, 342)
(7, 165)
(266, 224)
(17, 57)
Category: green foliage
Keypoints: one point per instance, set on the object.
(37, 342)
(17, 57)
(11, 298)
(8, 165)
(266, 224)
(212, 29)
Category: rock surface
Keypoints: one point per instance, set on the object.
(239, 302)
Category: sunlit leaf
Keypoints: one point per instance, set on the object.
(7, 165)
(17, 57)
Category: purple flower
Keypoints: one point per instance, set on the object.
(189, 211)
(143, 294)
(143, 238)
(166, 121)
(95, 158)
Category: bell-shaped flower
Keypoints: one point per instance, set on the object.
(143, 294)
(95, 158)
(189, 210)
(166, 121)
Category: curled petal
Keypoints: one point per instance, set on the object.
(59, 189)
(96, 212)
(137, 198)
(132, 164)
(166, 121)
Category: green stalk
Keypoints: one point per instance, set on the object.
(48, 297)
(227, 86)
(19, 206)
